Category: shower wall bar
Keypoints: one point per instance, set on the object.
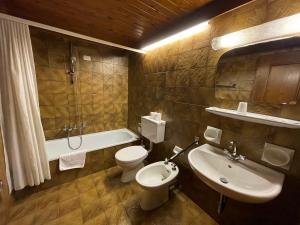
(66, 32)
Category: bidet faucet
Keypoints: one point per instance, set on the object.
(232, 154)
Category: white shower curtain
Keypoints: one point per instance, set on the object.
(21, 125)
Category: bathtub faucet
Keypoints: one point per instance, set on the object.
(83, 125)
(195, 142)
(69, 128)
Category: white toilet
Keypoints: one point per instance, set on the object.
(130, 159)
(155, 179)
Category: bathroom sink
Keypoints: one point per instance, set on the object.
(244, 181)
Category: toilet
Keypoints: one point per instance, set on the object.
(155, 179)
(131, 158)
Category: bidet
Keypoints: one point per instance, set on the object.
(155, 179)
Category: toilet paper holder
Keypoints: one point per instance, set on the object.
(213, 134)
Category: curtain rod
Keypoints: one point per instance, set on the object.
(66, 32)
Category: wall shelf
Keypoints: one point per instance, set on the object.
(255, 118)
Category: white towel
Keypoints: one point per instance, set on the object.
(72, 160)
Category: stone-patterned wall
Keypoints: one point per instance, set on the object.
(102, 84)
(178, 80)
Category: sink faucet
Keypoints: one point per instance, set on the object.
(232, 154)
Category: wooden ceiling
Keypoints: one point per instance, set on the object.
(126, 22)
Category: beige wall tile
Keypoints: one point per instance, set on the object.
(47, 112)
(96, 80)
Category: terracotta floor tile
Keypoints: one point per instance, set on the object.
(68, 191)
(47, 199)
(25, 220)
(85, 184)
(109, 200)
(134, 212)
(22, 209)
(125, 192)
(113, 172)
(88, 197)
(91, 210)
(68, 206)
(99, 176)
(72, 218)
(117, 216)
(101, 199)
(102, 188)
(165, 220)
(98, 220)
(46, 214)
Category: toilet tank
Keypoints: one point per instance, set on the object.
(152, 129)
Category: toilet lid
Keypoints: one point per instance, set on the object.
(131, 153)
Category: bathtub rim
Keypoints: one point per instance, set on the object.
(134, 137)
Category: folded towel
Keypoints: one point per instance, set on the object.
(72, 160)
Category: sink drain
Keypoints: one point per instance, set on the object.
(224, 180)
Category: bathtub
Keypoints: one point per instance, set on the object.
(90, 142)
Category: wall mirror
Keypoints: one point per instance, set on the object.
(263, 73)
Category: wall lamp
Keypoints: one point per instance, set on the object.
(183, 34)
(274, 30)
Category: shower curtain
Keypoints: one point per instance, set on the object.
(23, 134)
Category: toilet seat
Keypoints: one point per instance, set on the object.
(131, 154)
(131, 160)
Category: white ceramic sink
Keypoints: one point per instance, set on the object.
(247, 181)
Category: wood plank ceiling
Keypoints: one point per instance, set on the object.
(126, 22)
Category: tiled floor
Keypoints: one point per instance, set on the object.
(100, 199)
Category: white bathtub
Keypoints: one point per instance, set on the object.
(90, 142)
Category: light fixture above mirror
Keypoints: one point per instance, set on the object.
(274, 30)
(178, 36)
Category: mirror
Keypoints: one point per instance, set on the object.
(262, 73)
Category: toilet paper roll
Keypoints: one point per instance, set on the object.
(213, 134)
(152, 115)
(158, 116)
(155, 116)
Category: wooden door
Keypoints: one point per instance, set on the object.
(277, 78)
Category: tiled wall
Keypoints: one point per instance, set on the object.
(178, 80)
(101, 86)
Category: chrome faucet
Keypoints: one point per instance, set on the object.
(232, 154)
(70, 128)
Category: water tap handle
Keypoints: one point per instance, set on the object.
(65, 128)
